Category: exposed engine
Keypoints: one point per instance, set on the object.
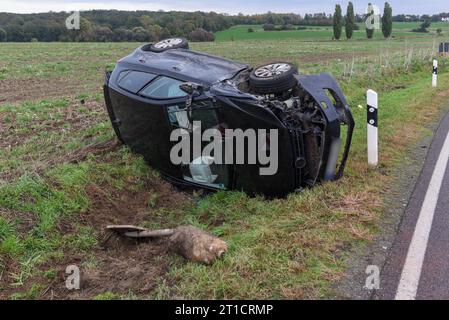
(300, 113)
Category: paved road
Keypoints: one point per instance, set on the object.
(418, 264)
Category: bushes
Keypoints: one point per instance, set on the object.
(423, 27)
(283, 27)
(287, 27)
(122, 34)
(103, 34)
(141, 35)
(269, 27)
(3, 35)
(201, 35)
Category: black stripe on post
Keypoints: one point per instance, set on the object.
(435, 70)
(372, 116)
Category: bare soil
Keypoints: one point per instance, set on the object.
(68, 122)
(36, 89)
(12, 132)
(121, 265)
(115, 264)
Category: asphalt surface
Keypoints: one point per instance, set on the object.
(418, 264)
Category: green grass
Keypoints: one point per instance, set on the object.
(284, 248)
(321, 33)
(413, 25)
(54, 198)
(107, 296)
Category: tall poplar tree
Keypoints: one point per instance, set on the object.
(387, 21)
(370, 29)
(338, 19)
(350, 21)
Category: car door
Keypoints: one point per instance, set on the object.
(139, 101)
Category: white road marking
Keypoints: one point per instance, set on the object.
(408, 285)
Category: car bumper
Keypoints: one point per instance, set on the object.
(327, 94)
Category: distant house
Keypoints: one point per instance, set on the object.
(445, 19)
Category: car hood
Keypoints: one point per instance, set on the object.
(205, 68)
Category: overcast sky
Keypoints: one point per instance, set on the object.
(222, 6)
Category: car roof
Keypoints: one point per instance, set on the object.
(204, 67)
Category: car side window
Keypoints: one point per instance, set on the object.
(134, 81)
(163, 88)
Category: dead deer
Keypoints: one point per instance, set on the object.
(190, 242)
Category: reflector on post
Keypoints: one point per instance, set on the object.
(372, 106)
(435, 74)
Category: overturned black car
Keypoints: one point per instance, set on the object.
(294, 122)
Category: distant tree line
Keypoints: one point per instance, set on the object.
(147, 26)
(266, 18)
(112, 25)
(420, 18)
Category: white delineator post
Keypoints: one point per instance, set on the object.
(435, 74)
(373, 149)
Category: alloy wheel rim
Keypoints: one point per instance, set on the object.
(168, 43)
(272, 70)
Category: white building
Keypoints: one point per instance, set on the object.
(445, 19)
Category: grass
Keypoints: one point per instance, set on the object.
(413, 25)
(295, 247)
(322, 33)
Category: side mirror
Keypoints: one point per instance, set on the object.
(192, 88)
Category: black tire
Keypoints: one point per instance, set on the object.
(275, 77)
(169, 44)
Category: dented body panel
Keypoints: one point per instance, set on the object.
(308, 119)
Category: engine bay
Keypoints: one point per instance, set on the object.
(303, 116)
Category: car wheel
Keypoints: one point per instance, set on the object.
(273, 78)
(170, 43)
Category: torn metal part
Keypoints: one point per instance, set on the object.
(138, 232)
